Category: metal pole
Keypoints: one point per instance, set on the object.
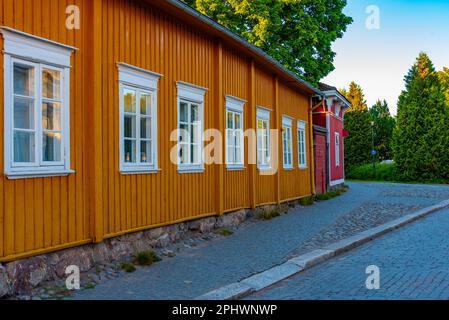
(373, 150)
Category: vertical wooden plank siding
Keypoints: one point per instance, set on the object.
(236, 84)
(97, 202)
(45, 213)
(265, 98)
(295, 183)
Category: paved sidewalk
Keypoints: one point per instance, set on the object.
(262, 245)
(413, 263)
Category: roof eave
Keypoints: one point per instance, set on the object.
(256, 51)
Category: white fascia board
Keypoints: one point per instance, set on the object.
(29, 47)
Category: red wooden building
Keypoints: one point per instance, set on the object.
(328, 119)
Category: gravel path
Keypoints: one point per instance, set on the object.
(258, 246)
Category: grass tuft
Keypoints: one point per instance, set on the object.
(269, 214)
(307, 201)
(224, 232)
(128, 267)
(146, 258)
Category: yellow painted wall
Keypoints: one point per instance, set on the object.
(39, 215)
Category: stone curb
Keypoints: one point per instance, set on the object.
(306, 261)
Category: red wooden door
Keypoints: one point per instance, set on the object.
(320, 163)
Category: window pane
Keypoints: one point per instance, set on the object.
(23, 80)
(145, 103)
(23, 147)
(130, 151)
(195, 133)
(51, 147)
(130, 126)
(194, 113)
(183, 133)
(230, 155)
(183, 110)
(129, 97)
(51, 116)
(238, 137)
(238, 155)
(259, 124)
(230, 121)
(194, 153)
(238, 125)
(145, 128)
(23, 113)
(145, 152)
(51, 84)
(265, 125)
(184, 154)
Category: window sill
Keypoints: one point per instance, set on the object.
(192, 169)
(37, 174)
(264, 168)
(131, 171)
(288, 168)
(235, 168)
(303, 168)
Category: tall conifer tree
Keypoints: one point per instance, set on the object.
(421, 137)
(358, 123)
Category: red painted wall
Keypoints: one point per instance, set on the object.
(320, 162)
(336, 126)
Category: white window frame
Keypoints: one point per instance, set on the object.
(191, 94)
(337, 149)
(141, 81)
(287, 148)
(263, 114)
(302, 144)
(235, 106)
(39, 53)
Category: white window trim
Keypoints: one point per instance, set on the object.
(337, 149)
(302, 127)
(40, 52)
(138, 79)
(264, 114)
(235, 105)
(195, 94)
(287, 124)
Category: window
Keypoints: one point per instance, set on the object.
(263, 139)
(234, 133)
(190, 127)
(302, 156)
(138, 119)
(37, 106)
(287, 145)
(337, 149)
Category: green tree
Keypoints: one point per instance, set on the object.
(358, 123)
(297, 33)
(383, 129)
(444, 77)
(421, 136)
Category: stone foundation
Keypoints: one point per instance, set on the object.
(21, 277)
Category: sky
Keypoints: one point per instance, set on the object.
(378, 59)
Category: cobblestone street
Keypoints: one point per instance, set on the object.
(204, 265)
(413, 262)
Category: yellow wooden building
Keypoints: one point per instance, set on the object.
(92, 91)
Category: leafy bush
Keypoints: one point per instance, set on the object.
(383, 172)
